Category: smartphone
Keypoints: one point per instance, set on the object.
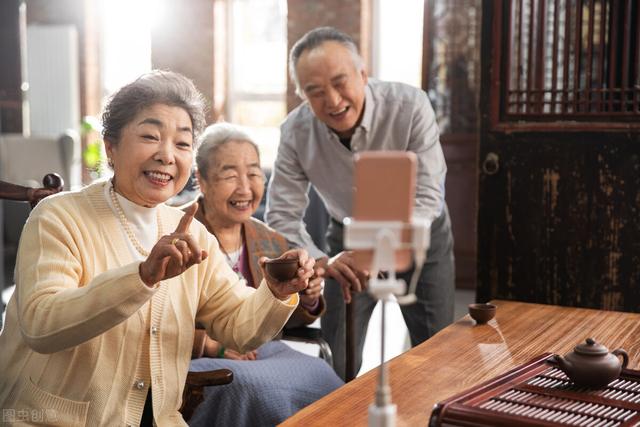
(384, 190)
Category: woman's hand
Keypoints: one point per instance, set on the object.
(310, 295)
(234, 355)
(174, 253)
(212, 349)
(282, 290)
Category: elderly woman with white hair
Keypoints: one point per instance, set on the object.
(275, 381)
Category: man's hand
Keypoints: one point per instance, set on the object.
(282, 290)
(342, 268)
(310, 295)
(174, 253)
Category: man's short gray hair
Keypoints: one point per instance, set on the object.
(214, 137)
(312, 40)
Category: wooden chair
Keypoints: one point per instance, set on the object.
(19, 165)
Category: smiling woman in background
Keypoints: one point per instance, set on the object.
(110, 281)
(276, 381)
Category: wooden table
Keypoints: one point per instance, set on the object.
(465, 354)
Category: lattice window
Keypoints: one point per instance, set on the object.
(574, 59)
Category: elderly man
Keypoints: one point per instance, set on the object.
(344, 113)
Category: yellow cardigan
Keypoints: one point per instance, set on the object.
(84, 337)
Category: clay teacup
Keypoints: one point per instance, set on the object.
(482, 313)
(281, 269)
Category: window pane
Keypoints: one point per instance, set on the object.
(259, 46)
(398, 24)
(258, 71)
(126, 42)
(267, 139)
(258, 113)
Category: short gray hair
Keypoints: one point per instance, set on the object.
(155, 87)
(312, 40)
(214, 137)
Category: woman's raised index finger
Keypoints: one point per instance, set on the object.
(185, 221)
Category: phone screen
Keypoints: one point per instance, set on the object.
(384, 190)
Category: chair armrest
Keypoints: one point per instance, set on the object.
(304, 333)
(208, 378)
(193, 393)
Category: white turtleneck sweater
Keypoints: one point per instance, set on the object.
(142, 221)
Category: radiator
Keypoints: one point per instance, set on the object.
(52, 74)
(53, 93)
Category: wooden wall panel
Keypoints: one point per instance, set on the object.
(460, 151)
(561, 221)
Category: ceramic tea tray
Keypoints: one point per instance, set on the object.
(539, 394)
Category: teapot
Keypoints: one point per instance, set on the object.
(591, 365)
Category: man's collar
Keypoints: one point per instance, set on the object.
(367, 115)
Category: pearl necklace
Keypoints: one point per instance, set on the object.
(125, 224)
